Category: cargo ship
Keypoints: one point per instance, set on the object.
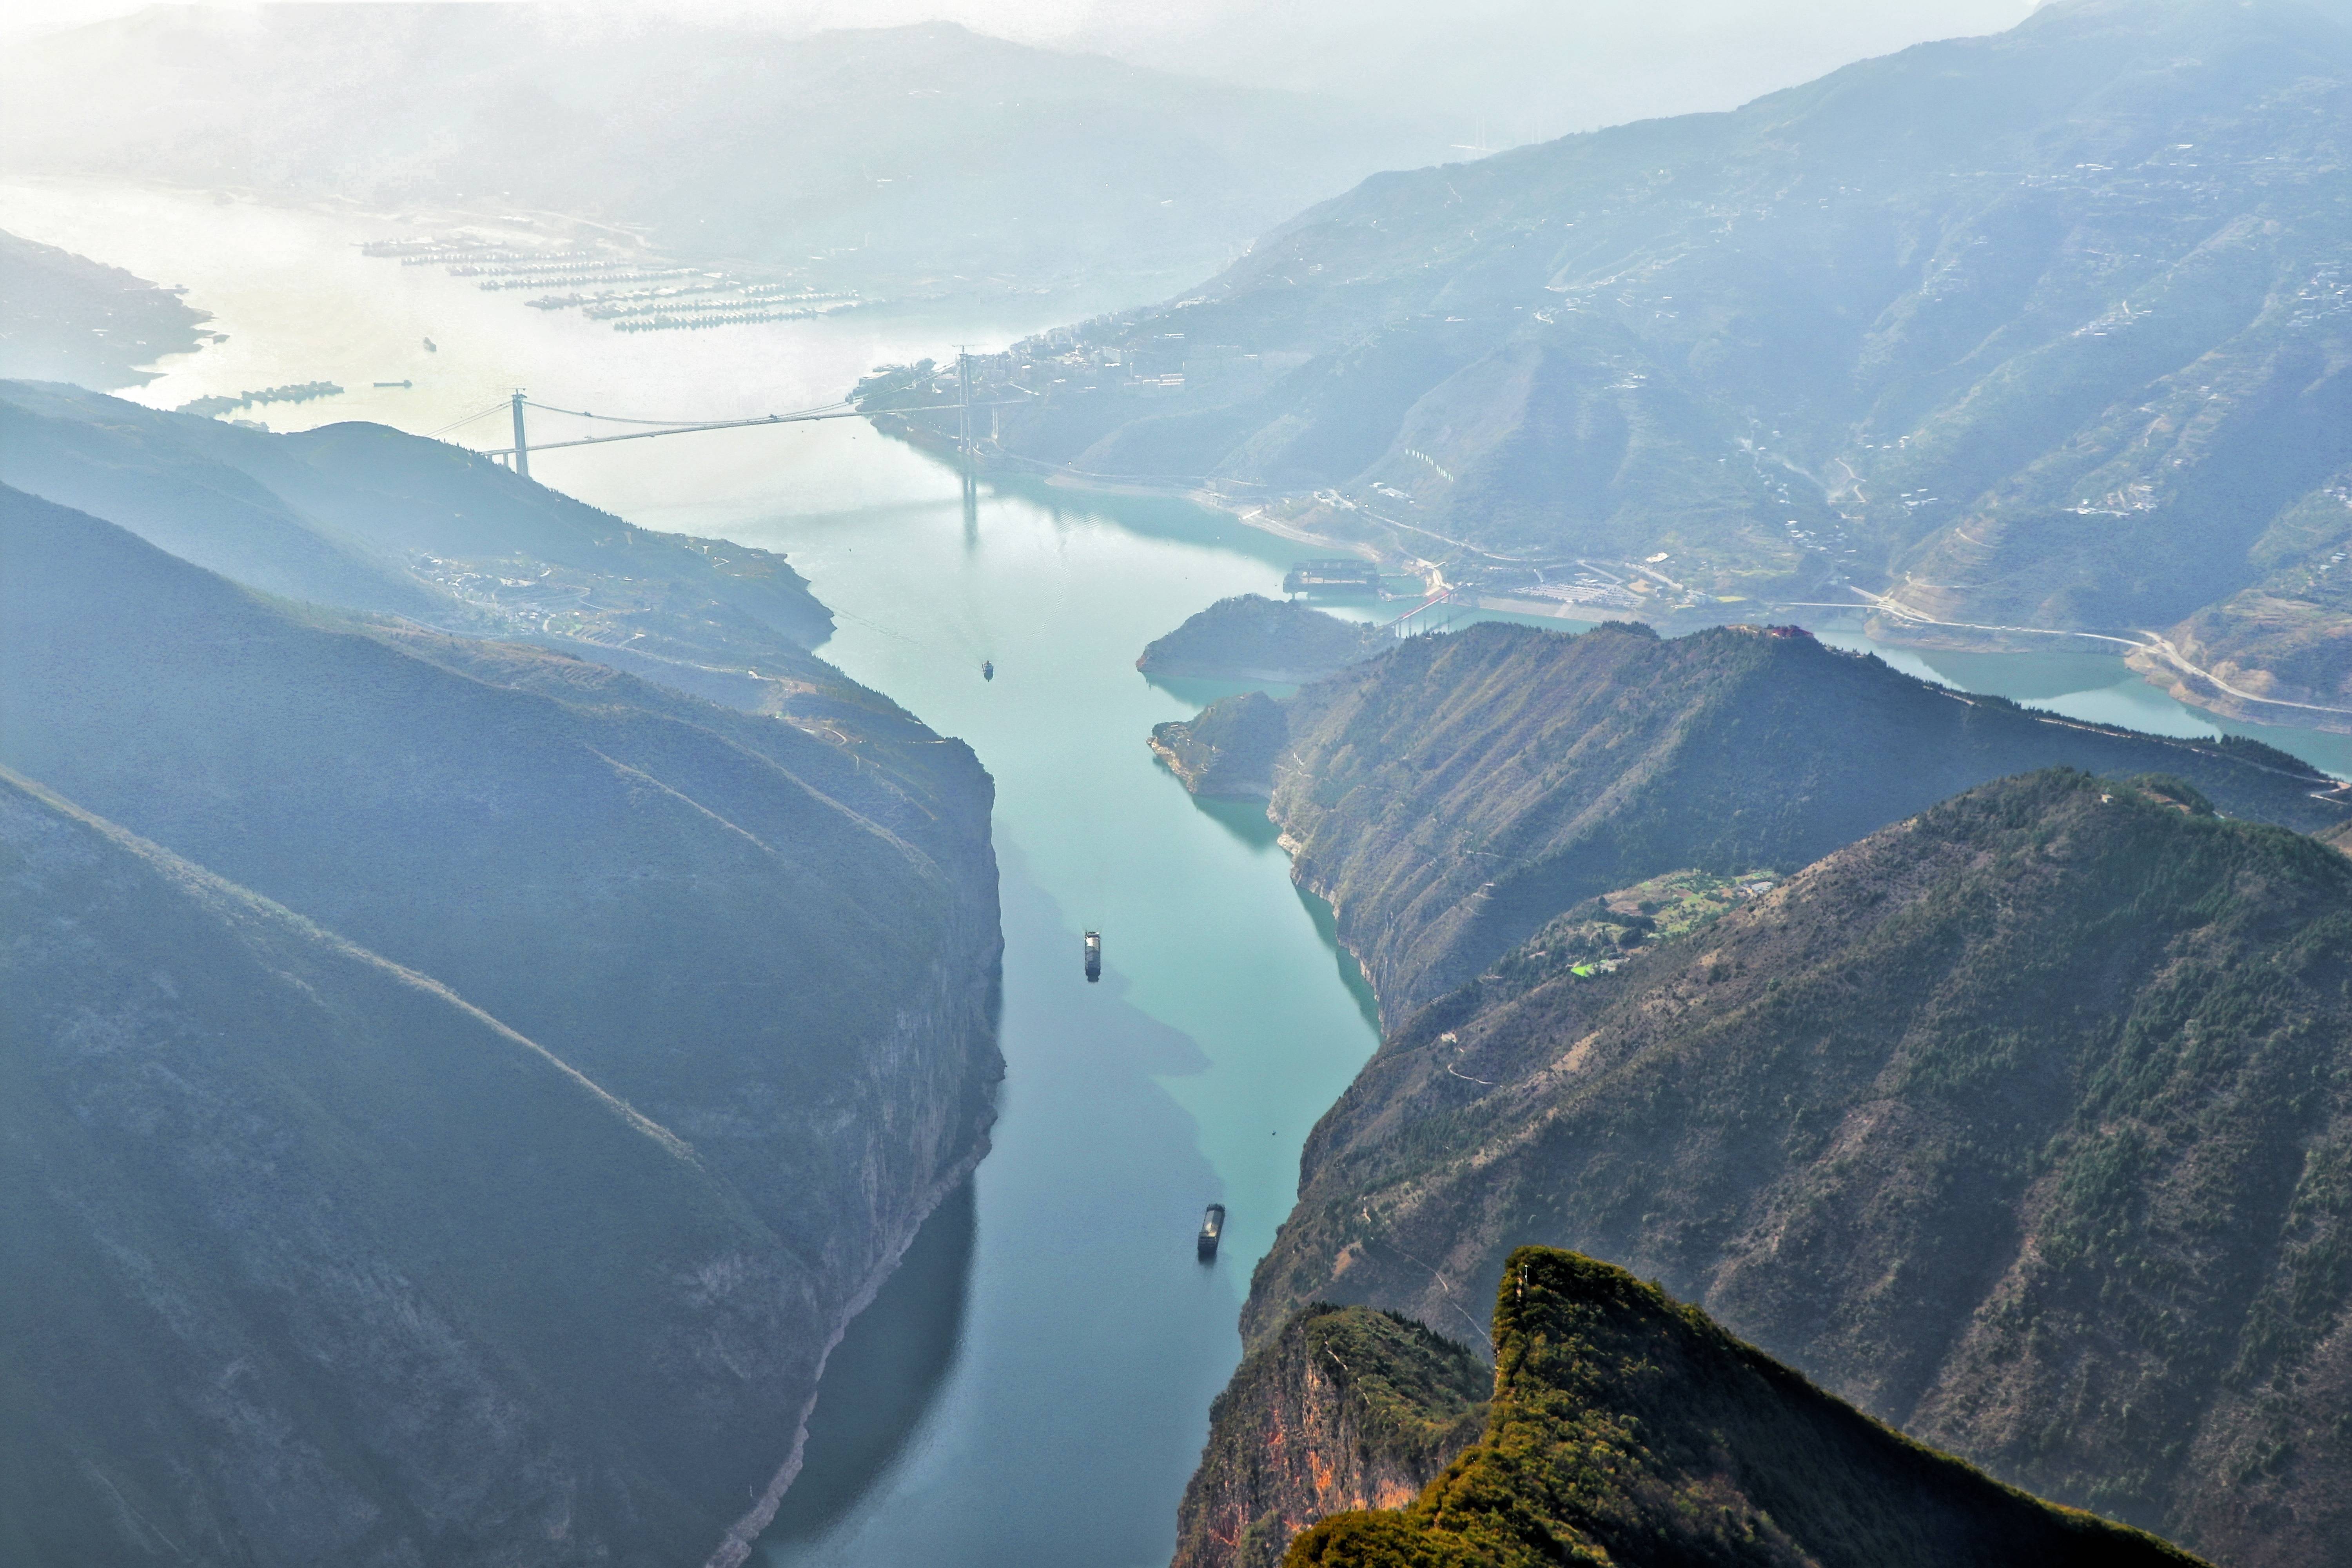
(1094, 955)
(1212, 1225)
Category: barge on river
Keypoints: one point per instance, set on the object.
(1213, 1227)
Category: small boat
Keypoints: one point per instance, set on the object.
(429, 348)
(385, 383)
(1212, 1225)
(988, 669)
(1094, 956)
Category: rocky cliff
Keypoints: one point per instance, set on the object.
(2020, 1123)
(1451, 796)
(1629, 1429)
(1342, 1408)
(778, 948)
(1250, 638)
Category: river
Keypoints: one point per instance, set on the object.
(1032, 1389)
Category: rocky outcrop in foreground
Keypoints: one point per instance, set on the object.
(1343, 1409)
(1630, 1430)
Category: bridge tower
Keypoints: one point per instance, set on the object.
(521, 446)
(963, 404)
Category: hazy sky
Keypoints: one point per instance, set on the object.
(1522, 69)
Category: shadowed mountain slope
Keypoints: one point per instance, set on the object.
(1453, 795)
(2047, 329)
(310, 1260)
(780, 946)
(1628, 1429)
(363, 517)
(2020, 1123)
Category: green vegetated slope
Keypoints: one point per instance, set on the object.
(1229, 748)
(2021, 1123)
(2043, 329)
(1453, 795)
(310, 1261)
(1251, 638)
(365, 517)
(1342, 1408)
(66, 318)
(779, 946)
(1629, 1429)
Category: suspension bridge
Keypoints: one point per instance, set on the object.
(518, 456)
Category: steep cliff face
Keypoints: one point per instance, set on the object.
(1229, 749)
(1451, 796)
(1342, 1408)
(2020, 1123)
(780, 948)
(1627, 1429)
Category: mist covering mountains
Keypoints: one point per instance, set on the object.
(2044, 329)
(926, 158)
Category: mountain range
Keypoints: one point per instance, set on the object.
(1988, 338)
(924, 157)
(1453, 794)
(2020, 1123)
(308, 881)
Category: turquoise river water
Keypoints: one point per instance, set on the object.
(1032, 1389)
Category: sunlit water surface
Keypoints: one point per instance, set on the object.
(1033, 1388)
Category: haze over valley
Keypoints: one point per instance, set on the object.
(1239, 785)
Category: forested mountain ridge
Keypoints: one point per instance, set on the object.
(2020, 1123)
(782, 949)
(1628, 1429)
(2046, 329)
(1453, 795)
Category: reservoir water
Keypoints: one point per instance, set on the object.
(1032, 1389)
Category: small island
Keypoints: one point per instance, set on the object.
(1255, 638)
